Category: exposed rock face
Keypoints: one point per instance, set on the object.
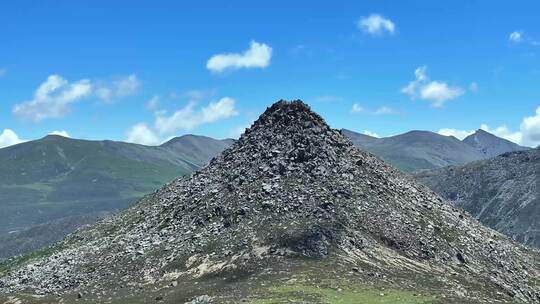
(501, 192)
(291, 187)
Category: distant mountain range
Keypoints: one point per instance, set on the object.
(419, 150)
(51, 186)
(502, 192)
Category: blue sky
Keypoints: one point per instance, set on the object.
(211, 67)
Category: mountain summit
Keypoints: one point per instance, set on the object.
(490, 145)
(294, 205)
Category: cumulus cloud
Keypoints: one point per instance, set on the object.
(376, 25)
(460, 134)
(62, 133)
(9, 138)
(123, 87)
(53, 98)
(530, 129)
(142, 134)
(189, 118)
(436, 92)
(184, 119)
(257, 56)
(356, 108)
(515, 37)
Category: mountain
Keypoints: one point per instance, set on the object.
(420, 150)
(59, 180)
(490, 145)
(290, 213)
(501, 192)
(417, 150)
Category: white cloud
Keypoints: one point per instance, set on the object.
(60, 133)
(376, 25)
(123, 87)
(372, 134)
(383, 111)
(186, 118)
(153, 103)
(437, 92)
(530, 129)
(257, 56)
(515, 37)
(356, 108)
(142, 134)
(9, 138)
(52, 98)
(460, 134)
(189, 118)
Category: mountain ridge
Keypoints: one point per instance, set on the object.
(501, 192)
(54, 177)
(423, 150)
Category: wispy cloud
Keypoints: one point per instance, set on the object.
(153, 103)
(517, 37)
(383, 110)
(257, 56)
(3, 72)
(376, 25)
(119, 88)
(55, 96)
(435, 91)
(356, 108)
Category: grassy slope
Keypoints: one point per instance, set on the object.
(53, 178)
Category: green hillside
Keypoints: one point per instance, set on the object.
(58, 178)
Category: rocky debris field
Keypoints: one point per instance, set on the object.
(501, 192)
(290, 190)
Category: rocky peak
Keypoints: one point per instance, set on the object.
(287, 137)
